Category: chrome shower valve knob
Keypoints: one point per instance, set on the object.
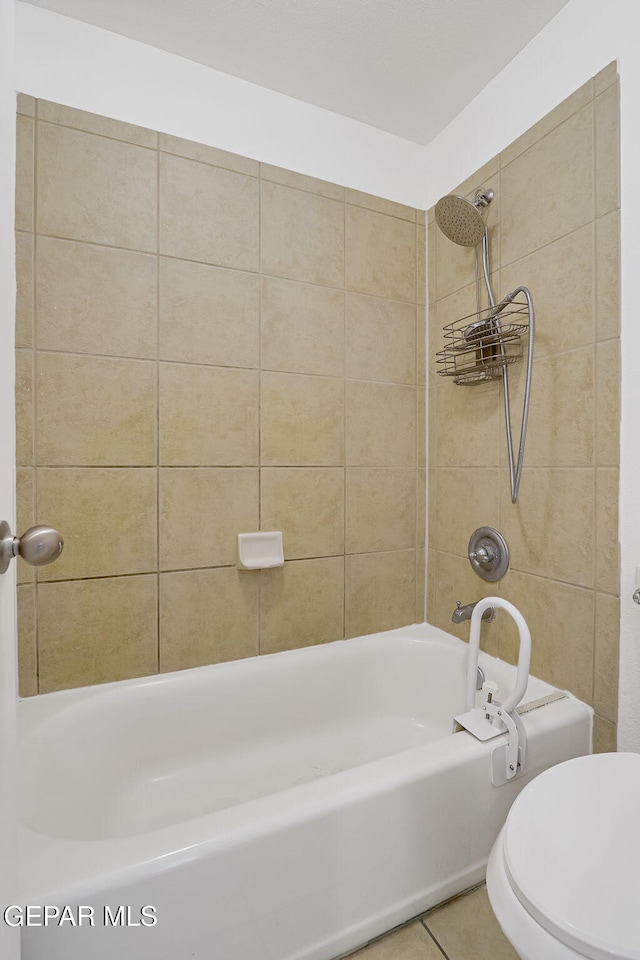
(38, 545)
(488, 553)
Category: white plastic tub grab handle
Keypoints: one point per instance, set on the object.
(524, 656)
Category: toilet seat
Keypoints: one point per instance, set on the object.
(570, 851)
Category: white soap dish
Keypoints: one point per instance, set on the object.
(259, 551)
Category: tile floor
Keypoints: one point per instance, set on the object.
(463, 929)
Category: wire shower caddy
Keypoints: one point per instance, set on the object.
(479, 346)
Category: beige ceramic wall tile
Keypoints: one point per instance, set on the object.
(434, 343)
(421, 216)
(561, 416)
(456, 306)
(408, 943)
(24, 290)
(421, 265)
(431, 586)
(455, 264)
(466, 498)
(559, 502)
(94, 123)
(24, 173)
(607, 547)
(466, 928)
(302, 328)
(302, 236)
(208, 416)
(96, 631)
(207, 616)
(455, 580)
(202, 510)
(93, 299)
(380, 255)
(608, 403)
(421, 344)
(432, 507)
(381, 424)
(208, 314)
(421, 428)
(606, 78)
(27, 645)
(208, 214)
(607, 654)
(307, 504)
(26, 105)
(580, 98)
(107, 518)
(93, 188)
(556, 171)
(300, 181)
(24, 408)
(421, 508)
(380, 591)
(302, 420)
(95, 411)
(301, 604)
(432, 428)
(431, 260)
(379, 204)
(381, 509)
(604, 736)
(608, 276)
(25, 516)
(607, 152)
(468, 424)
(380, 339)
(561, 619)
(206, 154)
(421, 586)
(561, 280)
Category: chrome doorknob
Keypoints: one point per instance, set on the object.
(38, 545)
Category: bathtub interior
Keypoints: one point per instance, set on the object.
(127, 758)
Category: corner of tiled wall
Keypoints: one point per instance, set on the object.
(554, 227)
(208, 345)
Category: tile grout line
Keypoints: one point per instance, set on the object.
(230, 169)
(437, 943)
(215, 265)
(216, 366)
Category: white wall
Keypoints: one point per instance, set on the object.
(584, 37)
(92, 69)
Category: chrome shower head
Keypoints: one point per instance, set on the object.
(461, 220)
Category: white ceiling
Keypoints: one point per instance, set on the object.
(405, 66)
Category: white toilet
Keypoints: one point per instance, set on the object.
(564, 874)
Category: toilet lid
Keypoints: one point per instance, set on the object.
(572, 854)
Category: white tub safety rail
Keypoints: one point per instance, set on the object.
(492, 718)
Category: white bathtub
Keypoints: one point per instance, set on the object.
(288, 806)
